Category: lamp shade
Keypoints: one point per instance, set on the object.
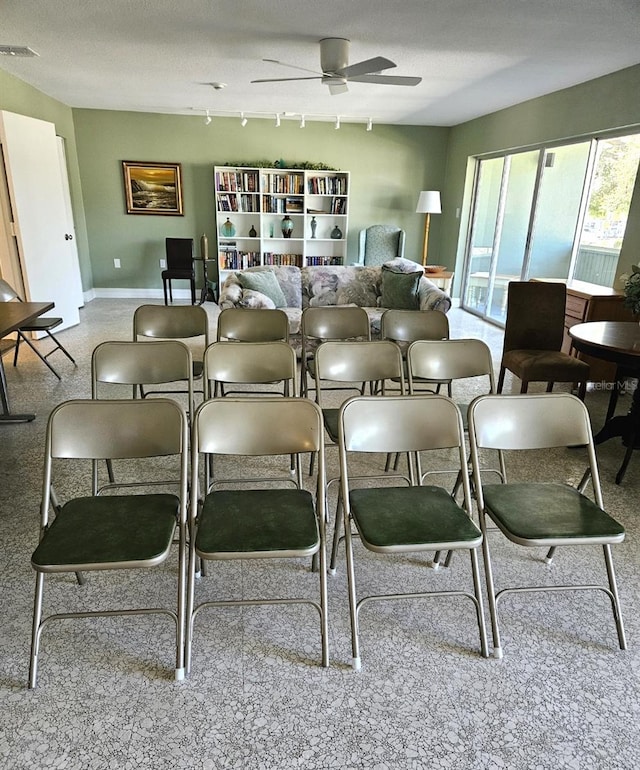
(429, 202)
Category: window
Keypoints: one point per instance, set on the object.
(554, 213)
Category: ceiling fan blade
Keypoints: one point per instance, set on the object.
(292, 66)
(386, 80)
(366, 67)
(285, 80)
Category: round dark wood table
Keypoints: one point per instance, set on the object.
(618, 342)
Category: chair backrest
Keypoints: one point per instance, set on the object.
(442, 360)
(358, 362)
(7, 292)
(253, 325)
(539, 421)
(409, 325)
(170, 322)
(535, 315)
(378, 244)
(110, 429)
(141, 363)
(250, 363)
(334, 323)
(400, 424)
(180, 253)
(257, 426)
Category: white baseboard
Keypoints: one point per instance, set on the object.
(134, 294)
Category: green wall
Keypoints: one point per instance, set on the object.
(17, 96)
(598, 106)
(388, 166)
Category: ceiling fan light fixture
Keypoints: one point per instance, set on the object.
(243, 120)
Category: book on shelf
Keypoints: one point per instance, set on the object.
(269, 258)
(293, 205)
(327, 185)
(339, 206)
(324, 261)
(232, 181)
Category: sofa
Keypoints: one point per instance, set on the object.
(399, 283)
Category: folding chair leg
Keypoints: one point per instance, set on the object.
(491, 594)
(336, 539)
(36, 351)
(181, 609)
(62, 348)
(482, 629)
(36, 630)
(615, 599)
(353, 606)
(191, 574)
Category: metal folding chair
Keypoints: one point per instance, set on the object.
(115, 531)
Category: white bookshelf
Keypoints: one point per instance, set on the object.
(255, 200)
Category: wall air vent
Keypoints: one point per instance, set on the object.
(17, 50)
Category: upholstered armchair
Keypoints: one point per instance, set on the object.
(379, 244)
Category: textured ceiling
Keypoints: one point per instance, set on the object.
(474, 56)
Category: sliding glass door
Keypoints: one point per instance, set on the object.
(548, 213)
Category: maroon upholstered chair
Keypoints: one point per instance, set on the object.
(533, 336)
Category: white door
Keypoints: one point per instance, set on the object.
(50, 269)
(70, 228)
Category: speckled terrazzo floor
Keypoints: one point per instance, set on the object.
(564, 696)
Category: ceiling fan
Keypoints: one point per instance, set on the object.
(336, 72)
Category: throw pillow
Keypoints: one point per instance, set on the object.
(265, 282)
(402, 265)
(400, 290)
(256, 300)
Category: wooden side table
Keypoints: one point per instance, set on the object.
(442, 279)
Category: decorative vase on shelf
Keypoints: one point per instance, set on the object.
(228, 229)
(252, 232)
(286, 226)
(336, 233)
(313, 224)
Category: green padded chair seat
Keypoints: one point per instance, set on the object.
(547, 514)
(545, 365)
(331, 419)
(411, 519)
(257, 523)
(108, 532)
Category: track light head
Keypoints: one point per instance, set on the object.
(207, 120)
(369, 124)
(303, 121)
(337, 124)
(243, 120)
(277, 120)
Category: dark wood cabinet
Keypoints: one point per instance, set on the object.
(590, 302)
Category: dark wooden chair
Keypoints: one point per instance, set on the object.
(533, 334)
(180, 266)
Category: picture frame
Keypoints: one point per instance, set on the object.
(153, 188)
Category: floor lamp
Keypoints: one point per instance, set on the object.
(428, 203)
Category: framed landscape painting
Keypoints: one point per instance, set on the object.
(152, 188)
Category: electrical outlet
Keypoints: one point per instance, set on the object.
(163, 264)
(116, 263)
